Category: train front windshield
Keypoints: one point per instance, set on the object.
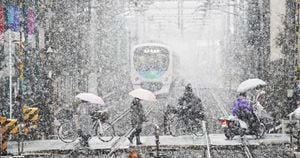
(151, 61)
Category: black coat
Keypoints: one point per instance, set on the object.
(137, 114)
(190, 106)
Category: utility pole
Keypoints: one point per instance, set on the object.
(289, 48)
(21, 54)
(92, 81)
(20, 142)
(180, 16)
(10, 76)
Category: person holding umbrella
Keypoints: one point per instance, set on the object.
(137, 119)
(89, 104)
(84, 123)
(137, 112)
(243, 107)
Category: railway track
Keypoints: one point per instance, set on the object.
(217, 110)
(117, 143)
(219, 104)
(214, 104)
(245, 148)
(151, 113)
(244, 141)
(122, 125)
(213, 109)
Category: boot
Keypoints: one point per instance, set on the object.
(138, 140)
(130, 138)
(79, 132)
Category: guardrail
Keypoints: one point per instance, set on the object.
(207, 139)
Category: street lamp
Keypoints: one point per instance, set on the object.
(49, 50)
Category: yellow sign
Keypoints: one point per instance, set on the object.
(30, 114)
(10, 126)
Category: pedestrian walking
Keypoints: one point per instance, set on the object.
(137, 119)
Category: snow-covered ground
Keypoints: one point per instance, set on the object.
(168, 142)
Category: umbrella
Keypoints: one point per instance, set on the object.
(90, 97)
(143, 94)
(250, 84)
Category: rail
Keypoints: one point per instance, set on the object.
(211, 113)
(223, 109)
(246, 148)
(117, 143)
(219, 104)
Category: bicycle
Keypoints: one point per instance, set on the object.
(67, 131)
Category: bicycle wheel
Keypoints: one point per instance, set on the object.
(197, 131)
(260, 132)
(177, 128)
(107, 133)
(67, 132)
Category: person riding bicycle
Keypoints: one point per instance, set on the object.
(190, 108)
(243, 109)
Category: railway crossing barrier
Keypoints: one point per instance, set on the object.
(11, 126)
(28, 123)
(30, 119)
(8, 127)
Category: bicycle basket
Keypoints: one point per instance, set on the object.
(102, 116)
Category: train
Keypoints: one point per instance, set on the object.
(152, 67)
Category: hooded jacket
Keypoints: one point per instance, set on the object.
(241, 104)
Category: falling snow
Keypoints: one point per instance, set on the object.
(111, 47)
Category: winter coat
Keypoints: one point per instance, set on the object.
(137, 114)
(241, 104)
(190, 106)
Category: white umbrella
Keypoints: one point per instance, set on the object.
(90, 97)
(250, 84)
(143, 94)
